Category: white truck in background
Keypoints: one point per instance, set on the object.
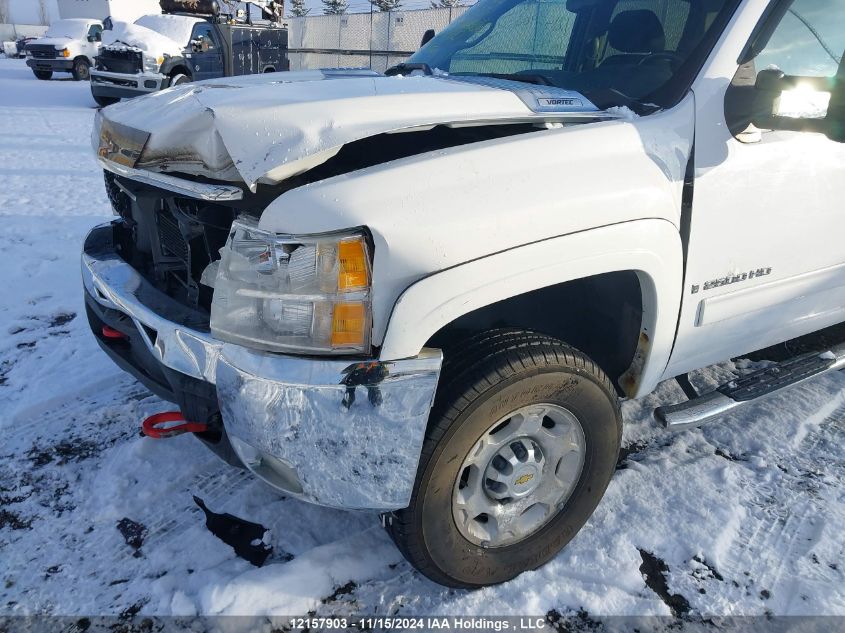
(71, 43)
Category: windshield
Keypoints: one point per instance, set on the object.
(615, 52)
(71, 29)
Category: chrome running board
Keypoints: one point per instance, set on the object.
(750, 388)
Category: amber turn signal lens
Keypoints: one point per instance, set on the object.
(348, 324)
(353, 273)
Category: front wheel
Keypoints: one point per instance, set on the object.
(81, 69)
(43, 75)
(523, 441)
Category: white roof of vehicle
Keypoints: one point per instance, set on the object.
(72, 28)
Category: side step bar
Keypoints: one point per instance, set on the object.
(755, 386)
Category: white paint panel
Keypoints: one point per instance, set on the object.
(811, 288)
(652, 248)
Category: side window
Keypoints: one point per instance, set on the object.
(96, 32)
(806, 44)
(809, 41)
(205, 32)
(665, 21)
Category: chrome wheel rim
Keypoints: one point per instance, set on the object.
(518, 475)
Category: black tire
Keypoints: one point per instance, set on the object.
(104, 101)
(81, 69)
(491, 375)
(43, 75)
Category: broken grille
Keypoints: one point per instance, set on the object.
(126, 62)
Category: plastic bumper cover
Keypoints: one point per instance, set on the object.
(335, 432)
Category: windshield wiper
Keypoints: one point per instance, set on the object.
(407, 68)
(527, 78)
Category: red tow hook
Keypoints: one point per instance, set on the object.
(110, 332)
(156, 427)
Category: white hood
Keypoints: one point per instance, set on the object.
(266, 128)
(57, 42)
(156, 35)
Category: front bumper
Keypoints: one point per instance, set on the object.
(335, 432)
(123, 86)
(54, 65)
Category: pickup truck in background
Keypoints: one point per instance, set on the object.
(424, 293)
(192, 41)
(69, 46)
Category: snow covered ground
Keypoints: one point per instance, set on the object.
(741, 518)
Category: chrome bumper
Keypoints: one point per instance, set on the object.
(142, 82)
(334, 432)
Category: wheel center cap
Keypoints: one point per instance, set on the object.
(524, 480)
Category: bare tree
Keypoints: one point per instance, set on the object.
(445, 4)
(4, 11)
(43, 12)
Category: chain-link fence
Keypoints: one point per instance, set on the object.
(374, 40)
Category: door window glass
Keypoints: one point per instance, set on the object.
(204, 32)
(809, 41)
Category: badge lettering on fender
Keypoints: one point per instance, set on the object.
(732, 279)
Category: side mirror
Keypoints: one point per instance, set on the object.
(800, 104)
(427, 37)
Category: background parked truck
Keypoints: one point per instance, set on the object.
(71, 43)
(191, 42)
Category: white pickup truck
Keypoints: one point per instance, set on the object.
(424, 293)
(68, 46)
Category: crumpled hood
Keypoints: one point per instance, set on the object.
(266, 128)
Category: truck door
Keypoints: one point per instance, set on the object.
(765, 256)
(206, 53)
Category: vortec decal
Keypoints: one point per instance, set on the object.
(549, 102)
(732, 279)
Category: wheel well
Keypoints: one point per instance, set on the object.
(179, 70)
(601, 316)
(269, 69)
(82, 57)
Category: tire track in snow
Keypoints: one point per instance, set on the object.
(785, 518)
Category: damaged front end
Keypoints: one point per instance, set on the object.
(292, 420)
(189, 173)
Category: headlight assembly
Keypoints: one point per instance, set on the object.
(305, 294)
(152, 65)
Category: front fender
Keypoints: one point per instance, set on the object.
(440, 209)
(651, 247)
